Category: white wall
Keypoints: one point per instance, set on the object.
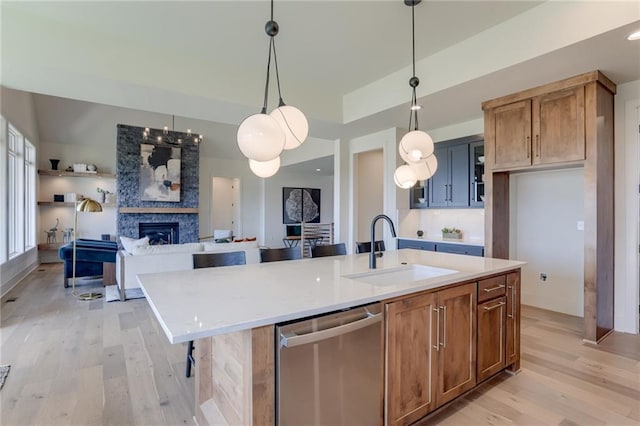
(369, 196)
(545, 208)
(274, 228)
(627, 179)
(18, 108)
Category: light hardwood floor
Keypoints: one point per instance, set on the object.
(92, 363)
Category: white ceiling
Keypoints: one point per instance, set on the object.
(206, 60)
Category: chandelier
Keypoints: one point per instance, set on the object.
(416, 147)
(173, 138)
(262, 137)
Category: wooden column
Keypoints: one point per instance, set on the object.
(599, 213)
(235, 378)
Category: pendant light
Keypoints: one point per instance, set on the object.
(262, 137)
(416, 147)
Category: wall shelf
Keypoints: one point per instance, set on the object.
(75, 174)
(62, 204)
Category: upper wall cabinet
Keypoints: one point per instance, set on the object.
(545, 129)
(458, 182)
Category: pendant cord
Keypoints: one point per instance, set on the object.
(272, 10)
(275, 60)
(266, 86)
(413, 38)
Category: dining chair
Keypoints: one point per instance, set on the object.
(365, 247)
(278, 254)
(212, 260)
(328, 250)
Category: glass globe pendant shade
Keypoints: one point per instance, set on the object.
(260, 137)
(293, 123)
(415, 146)
(405, 177)
(425, 169)
(265, 169)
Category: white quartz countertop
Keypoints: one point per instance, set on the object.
(199, 303)
(439, 239)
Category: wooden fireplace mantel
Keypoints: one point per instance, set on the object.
(168, 210)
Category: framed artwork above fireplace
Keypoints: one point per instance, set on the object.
(159, 173)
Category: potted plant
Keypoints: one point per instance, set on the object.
(451, 233)
(102, 194)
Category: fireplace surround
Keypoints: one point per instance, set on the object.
(132, 211)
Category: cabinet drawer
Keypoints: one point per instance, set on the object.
(418, 245)
(491, 287)
(460, 249)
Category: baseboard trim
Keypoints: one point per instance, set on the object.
(13, 282)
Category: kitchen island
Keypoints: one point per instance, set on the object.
(231, 311)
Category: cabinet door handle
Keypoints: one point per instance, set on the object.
(527, 145)
(450, 192)
(513, 301)
(491, 308)
(444, 327)
(487, 290)
(437, 311)
(446, 192)
(537, 145)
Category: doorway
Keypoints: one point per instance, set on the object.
(369, 196)
(225, 204)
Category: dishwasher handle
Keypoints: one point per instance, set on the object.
(291, 339)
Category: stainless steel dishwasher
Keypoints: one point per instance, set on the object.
(329, 369)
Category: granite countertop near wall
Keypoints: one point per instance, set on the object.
(439, 239)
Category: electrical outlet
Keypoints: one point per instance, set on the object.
(543, 277)
(580, 225)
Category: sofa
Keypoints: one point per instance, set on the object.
(90, 256)
(146, 259)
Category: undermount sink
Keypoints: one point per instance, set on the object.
(400, 275)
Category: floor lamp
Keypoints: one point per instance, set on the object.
(86, 205)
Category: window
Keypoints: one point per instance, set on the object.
(21, 194)
(29, 195)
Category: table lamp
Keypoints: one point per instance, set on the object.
(86, 205)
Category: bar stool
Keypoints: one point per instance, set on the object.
(212, 260)
(328, 250)
(278, 254)
(365, 247)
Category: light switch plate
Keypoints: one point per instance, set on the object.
(580, 225)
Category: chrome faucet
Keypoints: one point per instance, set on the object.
(372, 255)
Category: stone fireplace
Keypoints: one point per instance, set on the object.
(160, 233)
(155, 215)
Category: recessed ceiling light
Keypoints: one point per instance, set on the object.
(317, 170)
(634, 36)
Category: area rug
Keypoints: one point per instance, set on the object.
(111, 293)
(4, 372)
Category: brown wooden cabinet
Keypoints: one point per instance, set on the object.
(411, 335)
(572, 124)
(431, 351)
(545, 129)
(492, 327)
(513, 321)
(512, 124)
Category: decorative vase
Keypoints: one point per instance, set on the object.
(420, 233)
(54, 163)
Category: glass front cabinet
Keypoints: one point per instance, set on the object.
(476, 174)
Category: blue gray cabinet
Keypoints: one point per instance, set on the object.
(449, 185)
(460, 249)
(418, 245)
(476, 174)
(442, 247)
(458, 181)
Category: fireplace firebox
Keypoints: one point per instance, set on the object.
(160, 232)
